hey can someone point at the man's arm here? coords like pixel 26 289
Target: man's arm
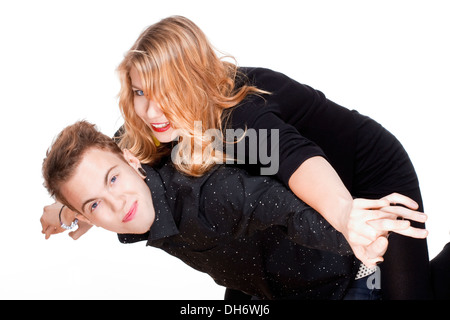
pixel 307 227
pixel 303 225
pixel 238 203
pixel 51 224
pixel 245 204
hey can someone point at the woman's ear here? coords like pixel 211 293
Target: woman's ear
pixel 134 163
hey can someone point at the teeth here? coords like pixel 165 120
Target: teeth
pixel 162 125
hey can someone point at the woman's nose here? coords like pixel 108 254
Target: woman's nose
pixel 153 110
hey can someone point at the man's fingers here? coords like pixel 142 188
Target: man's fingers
pixel 48 232
pixel 82 229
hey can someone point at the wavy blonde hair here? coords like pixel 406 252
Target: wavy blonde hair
pixel 180 70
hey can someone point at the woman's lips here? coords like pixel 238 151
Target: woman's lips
pixel 160 127
pixel 131 213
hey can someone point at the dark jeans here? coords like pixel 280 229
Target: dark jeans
pixel 363 289
pixel 367 288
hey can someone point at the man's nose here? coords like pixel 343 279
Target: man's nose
pixel 117 203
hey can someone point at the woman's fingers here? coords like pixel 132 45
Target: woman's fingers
pixel 371 219
pixel 372 254
pixel 397 198
pixel 389 224
pixel 377 248
pixel 366 204
pixel 406 213
pixel 362 233
pixel 402 227
pixel 412 232
pixel 372 224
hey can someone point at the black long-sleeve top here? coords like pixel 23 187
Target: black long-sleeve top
pixel 248 233
pixel 310 125
pixel 370 161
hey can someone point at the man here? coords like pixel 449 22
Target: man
pixel 248 233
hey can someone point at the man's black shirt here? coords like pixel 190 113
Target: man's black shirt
pixel 247 232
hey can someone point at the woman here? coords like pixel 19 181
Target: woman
pixel 172 77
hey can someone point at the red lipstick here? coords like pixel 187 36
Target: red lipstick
pixel 131 213
pixel 160 127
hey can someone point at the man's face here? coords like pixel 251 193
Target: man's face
pixel 110 193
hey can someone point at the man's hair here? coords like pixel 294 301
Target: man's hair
pixel 66 153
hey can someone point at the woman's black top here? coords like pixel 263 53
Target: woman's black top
pixel 358 148
pixel 370 161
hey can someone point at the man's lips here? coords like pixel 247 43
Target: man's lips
pixel 131 213
pixel 160 127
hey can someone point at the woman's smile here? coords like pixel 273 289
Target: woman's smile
pixel 161 126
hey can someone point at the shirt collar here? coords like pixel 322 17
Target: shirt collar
pixel 164 224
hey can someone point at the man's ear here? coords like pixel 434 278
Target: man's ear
pixel 131 159
pixel 133 162
pixel 81 217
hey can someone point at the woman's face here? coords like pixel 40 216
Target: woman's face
pixel 150 112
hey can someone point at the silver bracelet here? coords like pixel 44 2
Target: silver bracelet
pixel 72 225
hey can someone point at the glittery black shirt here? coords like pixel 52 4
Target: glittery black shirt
pixel 248 233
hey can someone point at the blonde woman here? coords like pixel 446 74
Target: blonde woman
pixel 174 84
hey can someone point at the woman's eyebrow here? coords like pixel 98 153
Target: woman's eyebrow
pixel 135 87
pixel 105 184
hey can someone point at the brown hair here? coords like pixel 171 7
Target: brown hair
pixel 66 153
pixel 181 71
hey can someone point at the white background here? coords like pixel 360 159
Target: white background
pixel 387 59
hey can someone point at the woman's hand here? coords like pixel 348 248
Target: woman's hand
pixel 51 224
pixel 370 222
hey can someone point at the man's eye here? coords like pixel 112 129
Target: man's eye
pixel 94 205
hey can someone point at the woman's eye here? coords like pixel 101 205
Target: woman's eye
pixel 113 179
pixel 139 92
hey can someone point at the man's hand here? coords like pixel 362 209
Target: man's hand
pixel 50 220
pixel 51 224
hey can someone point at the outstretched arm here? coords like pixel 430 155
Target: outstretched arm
pixel 51 224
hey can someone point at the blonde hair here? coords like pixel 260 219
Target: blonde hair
pixel 180 70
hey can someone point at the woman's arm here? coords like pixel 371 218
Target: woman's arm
pixel 316 183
